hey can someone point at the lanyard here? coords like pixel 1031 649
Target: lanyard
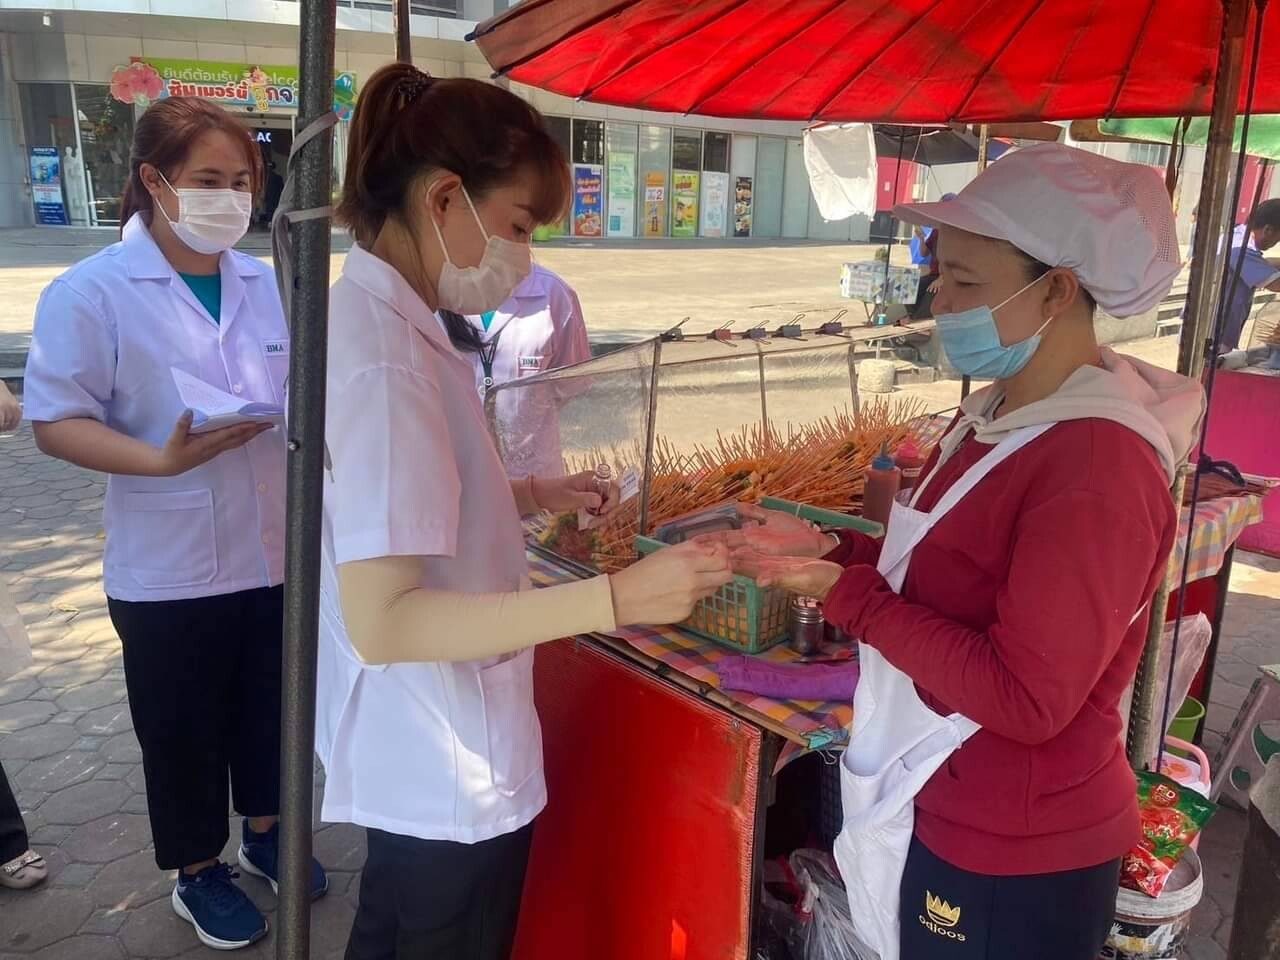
pixel 488 352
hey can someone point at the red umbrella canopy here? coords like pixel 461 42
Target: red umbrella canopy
pixel 899 61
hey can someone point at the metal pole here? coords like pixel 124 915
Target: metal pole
pixel 1144 731
pixel 984 138
pixel 1203 285
pixel 309 333
pixel 400 19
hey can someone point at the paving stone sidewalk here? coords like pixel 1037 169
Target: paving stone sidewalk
pixel 67 744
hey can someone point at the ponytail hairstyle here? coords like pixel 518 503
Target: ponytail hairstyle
pixel 163 137
pixel 408 124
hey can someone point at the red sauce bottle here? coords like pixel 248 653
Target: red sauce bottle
pixel 882 483
pixel 910 460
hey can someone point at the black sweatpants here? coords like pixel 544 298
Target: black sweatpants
pixel 204 690
pixel 436 900
pixel 951 914
pixel 13 832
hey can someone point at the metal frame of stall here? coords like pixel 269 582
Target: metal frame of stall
pixel 308 318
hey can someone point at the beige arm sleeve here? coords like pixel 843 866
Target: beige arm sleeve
pixel 522 490
pixel 391 618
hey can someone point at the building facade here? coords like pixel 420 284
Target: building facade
pixel 75 74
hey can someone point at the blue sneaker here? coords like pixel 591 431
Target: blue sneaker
pixel 260 856
pixel 224 918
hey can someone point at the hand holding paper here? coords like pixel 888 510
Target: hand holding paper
pixel 213 409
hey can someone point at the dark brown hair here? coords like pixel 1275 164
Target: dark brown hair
pixel 408 123
pixel 163 138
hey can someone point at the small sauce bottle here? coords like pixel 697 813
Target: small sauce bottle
pixel 910 460
pixel 882 483
pixel 602 481
pixel 805 625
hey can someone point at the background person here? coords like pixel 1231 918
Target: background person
pixel 1248 244
pixel 425 718
pixel 540 328
pixel 195 523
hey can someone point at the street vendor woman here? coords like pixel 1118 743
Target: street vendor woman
pixel 987 796
pixel 425 719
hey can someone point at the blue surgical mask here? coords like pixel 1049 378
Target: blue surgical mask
pixel 973 345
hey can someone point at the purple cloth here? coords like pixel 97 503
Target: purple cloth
pixel 789 681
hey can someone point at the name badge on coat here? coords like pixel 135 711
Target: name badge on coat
pixel 528 365
pixel 276 355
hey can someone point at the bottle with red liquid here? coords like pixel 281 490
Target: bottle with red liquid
pixel 882 483
pixel 909 458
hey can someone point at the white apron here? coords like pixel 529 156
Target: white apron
pixel 897 742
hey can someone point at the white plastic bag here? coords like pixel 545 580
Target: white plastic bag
pixel 15 648
pixel 1193 642
pixel 828 932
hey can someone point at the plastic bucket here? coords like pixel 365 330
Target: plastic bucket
pixel 1156 928
pixel 1186 721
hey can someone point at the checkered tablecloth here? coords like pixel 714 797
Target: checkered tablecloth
pixel 809 723
pixel 1218 525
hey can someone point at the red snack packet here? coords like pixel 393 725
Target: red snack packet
pixel 1172 816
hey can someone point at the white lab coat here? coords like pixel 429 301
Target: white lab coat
pixel 539 328
pixel 438 751
pixel 106 334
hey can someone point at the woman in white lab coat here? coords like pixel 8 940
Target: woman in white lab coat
pixel 194 523
pixel 539 328
pixel 425 719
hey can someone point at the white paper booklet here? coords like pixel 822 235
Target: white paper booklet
pixel 213 409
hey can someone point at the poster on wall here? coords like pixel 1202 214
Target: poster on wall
pixel 742 207
pixel 715 201
pixel 684 204
pixel 46 186
pixel 622 194
pixel 142 81
pixel 655 203
pixel 587 183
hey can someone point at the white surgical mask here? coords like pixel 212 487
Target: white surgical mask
pixel 472 291
pixel 210 220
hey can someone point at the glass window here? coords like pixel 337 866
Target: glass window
pixel 561 132
pixel 106 133
pixel 654 179
pixel 48 126
pixel 1152 154
pixel 687 154
pixel 771 156
pixel 621 142
pixel 715 157
pixel 588 141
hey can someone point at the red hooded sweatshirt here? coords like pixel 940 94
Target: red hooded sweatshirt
pixel 1018 611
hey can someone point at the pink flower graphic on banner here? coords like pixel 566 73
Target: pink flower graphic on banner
pixel 137 83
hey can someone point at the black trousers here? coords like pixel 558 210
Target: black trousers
pixel 436 900
pixel 204 690
pixel 951 914
pixel 13 832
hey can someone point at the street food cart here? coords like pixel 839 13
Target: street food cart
pixel 847 60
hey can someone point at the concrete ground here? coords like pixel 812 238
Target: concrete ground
pixel 628 289
pixel 66 737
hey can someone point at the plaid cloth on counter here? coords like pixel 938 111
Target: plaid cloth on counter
pixel 1219 524
pixel 811 725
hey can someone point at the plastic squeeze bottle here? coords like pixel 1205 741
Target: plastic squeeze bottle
pixel 910 460
pixel 882 483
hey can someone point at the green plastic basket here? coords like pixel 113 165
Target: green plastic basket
pixel 743 615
